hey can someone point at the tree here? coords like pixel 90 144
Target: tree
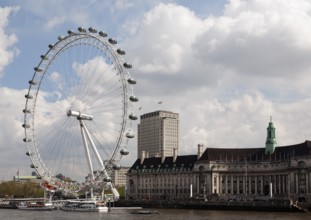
pixel 63 178
pixel 20 189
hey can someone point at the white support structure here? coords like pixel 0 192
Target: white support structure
pixel 99 160
pixel 88 139
pixel 87 151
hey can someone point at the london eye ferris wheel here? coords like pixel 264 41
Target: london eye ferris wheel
pixel 79 111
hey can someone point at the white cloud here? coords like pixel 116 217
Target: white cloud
pixel 164 39
pixel 120 5
pixel 55 21
pixel 240 122
pixel 13 149
pixel 225 75
pixel 7 51
pixel 230 74
pixel 268 38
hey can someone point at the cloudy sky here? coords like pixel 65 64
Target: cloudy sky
pixel 224 66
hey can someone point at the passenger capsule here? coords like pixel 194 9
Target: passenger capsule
pixel 81 29
pixel 51 46
pixel 43 57
pixel 124 152
pixel 133 98
pixel 60 38
pixel 116 167
pixel 33 166
pixel 27 96
pixel 131 81
pixel 120 51
pixel 132 116
pixel 92 30
pixel 130 134
pixel 32 82
pixel 26 125
pixel 112 41
pixel 37 69
pixel 107 179
pixel 70 32
pixel 26 111
pixel 26 139
pixel 127 65
pixel 29 153
pixel 102 34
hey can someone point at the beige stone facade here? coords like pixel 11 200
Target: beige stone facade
pixel 225 174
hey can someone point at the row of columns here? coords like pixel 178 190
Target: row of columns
pixel 283 184
pixel 249 184
pixel 302 183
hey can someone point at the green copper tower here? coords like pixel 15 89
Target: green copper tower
pixel 271 140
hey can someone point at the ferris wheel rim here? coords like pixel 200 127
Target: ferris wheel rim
pixel 63 43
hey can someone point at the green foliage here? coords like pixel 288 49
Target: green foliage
pixel 63 178
pixel 20 189
pixel 121 190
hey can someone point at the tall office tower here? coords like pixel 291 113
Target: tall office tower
pixel 158 134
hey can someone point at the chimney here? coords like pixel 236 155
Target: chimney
pixel 174 154
pixel 200 150
pixel 162 156
pixel 142 157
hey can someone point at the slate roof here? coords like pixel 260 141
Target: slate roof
pixel 186 162
pixel 182 163
pixel 256 154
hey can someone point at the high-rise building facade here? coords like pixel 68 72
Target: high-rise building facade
pixel 158 134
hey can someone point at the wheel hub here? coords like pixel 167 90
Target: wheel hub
pixel 79 115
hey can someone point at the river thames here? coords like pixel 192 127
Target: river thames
pixel 164 214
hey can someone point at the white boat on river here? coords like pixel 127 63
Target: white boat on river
pixel 36 206
pixel 84 206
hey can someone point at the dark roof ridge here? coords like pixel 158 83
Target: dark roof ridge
pixel 307 142
pixel 300 149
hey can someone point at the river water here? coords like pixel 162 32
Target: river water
pixel 164 214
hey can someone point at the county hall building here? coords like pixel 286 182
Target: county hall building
pixel 225 174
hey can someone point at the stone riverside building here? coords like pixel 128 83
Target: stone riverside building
pixel 226 174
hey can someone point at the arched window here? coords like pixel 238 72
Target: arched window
pixel 301 164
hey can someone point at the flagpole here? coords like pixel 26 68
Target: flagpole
pixel 160 103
